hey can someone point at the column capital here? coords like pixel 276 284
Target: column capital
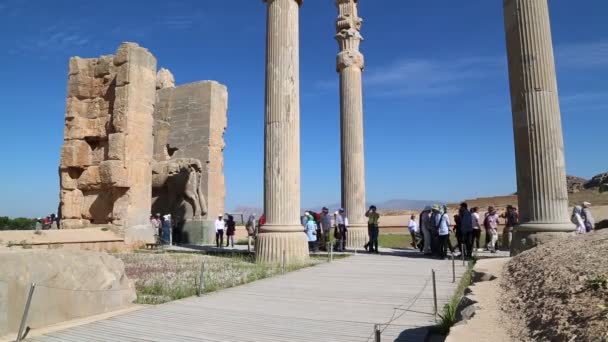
pixel 350 58
pixel 298 1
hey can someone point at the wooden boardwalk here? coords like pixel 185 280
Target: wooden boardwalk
pixel 338 301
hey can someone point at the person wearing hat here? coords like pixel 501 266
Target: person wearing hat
pixel 311 232
pixel 588 217
pixel 341 229
pixel 220 225
pixel 325 228
pixel 372 229
pixel 426 227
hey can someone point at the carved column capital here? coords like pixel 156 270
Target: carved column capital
pixel 298 1
pixel 349 58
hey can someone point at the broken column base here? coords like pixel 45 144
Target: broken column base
pixel 530 235
pixel 197 232
pixel 357 237
pixel 274 243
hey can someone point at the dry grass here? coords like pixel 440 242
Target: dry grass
pixel 164 277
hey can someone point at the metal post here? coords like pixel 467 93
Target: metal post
pixel 331 253
pixel 453 269
pixel 377 333
pixel 462 254
pixel 434 295
pixel 25 312
pixel 201 279
pixel 171 236
pixel 283 263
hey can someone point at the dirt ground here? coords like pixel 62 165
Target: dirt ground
pixel 488 324
pixel 559 291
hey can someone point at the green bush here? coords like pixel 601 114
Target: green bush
pixel 19 223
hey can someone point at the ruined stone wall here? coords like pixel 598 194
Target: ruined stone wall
pixel 190 121
pixel 105 169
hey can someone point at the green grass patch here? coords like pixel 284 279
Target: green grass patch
pixel 448 315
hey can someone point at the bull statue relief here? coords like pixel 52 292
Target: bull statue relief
pixel 177 188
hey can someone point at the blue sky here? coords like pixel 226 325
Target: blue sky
pixel 437 109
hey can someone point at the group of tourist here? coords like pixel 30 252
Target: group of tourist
pixel 51 221
pixel 582 218
pixel 163 227
pixel 431 234
pixel 225 225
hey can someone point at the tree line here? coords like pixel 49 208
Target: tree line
pixel 19 223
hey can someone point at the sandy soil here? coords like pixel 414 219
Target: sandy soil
pixel 488 324
pixel 559 290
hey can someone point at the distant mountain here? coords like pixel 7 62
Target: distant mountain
pixel 394 204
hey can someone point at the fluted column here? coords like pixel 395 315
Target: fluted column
pixel 282 232
pixel 539 145
pixel 350 64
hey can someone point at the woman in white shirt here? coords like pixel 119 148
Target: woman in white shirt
pixel 476 226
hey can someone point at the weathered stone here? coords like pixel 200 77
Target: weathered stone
pixel 71 204
pixel 164 79
pixel 539 146
pixel 116 146
pixel 350 64
pixel 75 153
pixel 114 173
pixel 90 179
pixel 108 137
pixel 282 233
pixel 76 284
pixel 190 121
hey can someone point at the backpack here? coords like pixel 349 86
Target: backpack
pixel 573 219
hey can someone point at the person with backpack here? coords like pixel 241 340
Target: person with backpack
pixel 491 225
pixel 577 219
pixel 373 229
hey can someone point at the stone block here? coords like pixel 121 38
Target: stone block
pixel 103 66
pixel 97 207
pixel 74 223
pixel 71 204
pixel 80 127
pixel 82 66
pixel 68 178
pixel 114 173
pixel 116 146
pixel 97 284
pixel 164 79
pixel 90 179
pixel 75 153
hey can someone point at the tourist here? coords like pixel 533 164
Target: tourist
pixel 458 232
pixel 251 229
pixel 166 224
pixel 466 230
pixel 220 225
pixel 156 225
pixel 588 217
pixel 426 228
pixel 476 227
pixel 412 226
pixel 491 224
pixel 341 230
pixel 325 228
pixel 577 219
pixel 311 232
pixel 230 230
pixel 511 220
pixel 373 229
pixel 442 222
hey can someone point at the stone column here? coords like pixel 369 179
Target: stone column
pixel 282 233
pixel 350 65
pixel 539 145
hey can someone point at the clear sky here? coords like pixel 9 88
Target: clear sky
pixel 437 108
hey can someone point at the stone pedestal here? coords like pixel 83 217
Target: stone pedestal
pixel 198 232
pixel 282 234
pixel 539 145
pixel 350 64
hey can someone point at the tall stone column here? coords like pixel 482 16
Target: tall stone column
pixel 350 64
pixel 282 234
pixel 539 145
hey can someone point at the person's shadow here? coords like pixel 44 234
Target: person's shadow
pixel 415 335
